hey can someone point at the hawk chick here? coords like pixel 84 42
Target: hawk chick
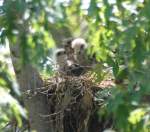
pixel 61 59
pixel 79 46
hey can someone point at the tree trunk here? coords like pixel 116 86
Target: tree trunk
pixel 29 80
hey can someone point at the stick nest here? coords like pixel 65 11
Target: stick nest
pixel 71 101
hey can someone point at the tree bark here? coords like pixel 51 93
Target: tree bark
pixel 29 80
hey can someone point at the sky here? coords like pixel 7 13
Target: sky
pixel 1 2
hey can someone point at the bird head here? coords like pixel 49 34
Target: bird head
pixel 61 56
pixel 79 45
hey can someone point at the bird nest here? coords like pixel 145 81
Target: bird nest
pixel 71 102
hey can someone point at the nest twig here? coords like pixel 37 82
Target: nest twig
pixel 71 101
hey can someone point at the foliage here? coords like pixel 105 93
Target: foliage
pixel 10 111
pixel 116 30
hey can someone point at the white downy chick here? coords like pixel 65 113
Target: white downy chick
pixel 61 60
pixel 79 46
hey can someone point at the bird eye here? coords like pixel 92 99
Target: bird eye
pixel 59 53
pixel 82 47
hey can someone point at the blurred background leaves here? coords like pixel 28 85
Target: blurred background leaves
pixel 118 31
